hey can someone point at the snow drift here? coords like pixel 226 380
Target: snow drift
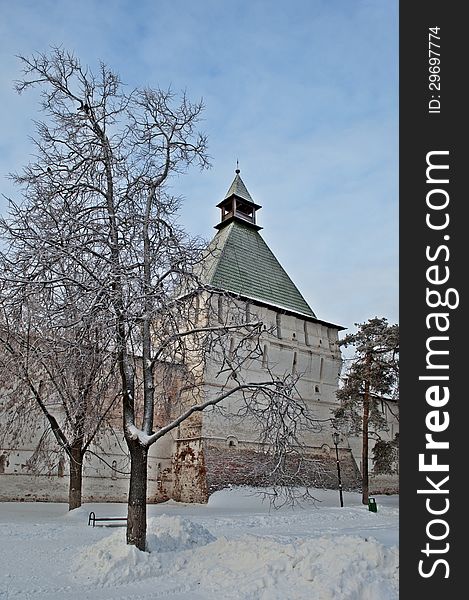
pixel 346 567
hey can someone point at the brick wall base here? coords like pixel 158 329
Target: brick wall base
pixel 248 466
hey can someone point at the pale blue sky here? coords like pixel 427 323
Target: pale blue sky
pixel 304 93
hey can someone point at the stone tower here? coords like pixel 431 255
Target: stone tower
pixel 240 264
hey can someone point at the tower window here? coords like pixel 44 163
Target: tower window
pixel 294 364
pixel 244 211
pixel 265 357
pixel 279 325
pixel 197 308
pixel 61 467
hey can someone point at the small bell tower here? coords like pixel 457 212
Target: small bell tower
pixel 238 205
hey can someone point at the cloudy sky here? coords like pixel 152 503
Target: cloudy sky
pixel 303 93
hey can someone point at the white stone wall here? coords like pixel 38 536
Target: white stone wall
pixel 101 481
pixel 377 482
pixel 291 345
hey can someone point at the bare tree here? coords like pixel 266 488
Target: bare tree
pixel 108 155
pixel 56 360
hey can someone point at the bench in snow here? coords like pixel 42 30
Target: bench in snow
pixel 93 519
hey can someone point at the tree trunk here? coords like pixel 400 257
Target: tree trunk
pixel 366 414
pixel 137 504
pixel 76 476
pixel 365 486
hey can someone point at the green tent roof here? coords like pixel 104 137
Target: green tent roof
pixel 240 261
pixel 239 189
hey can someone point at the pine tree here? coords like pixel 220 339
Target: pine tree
pixel 370 379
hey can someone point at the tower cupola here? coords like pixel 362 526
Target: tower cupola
pixel 238 205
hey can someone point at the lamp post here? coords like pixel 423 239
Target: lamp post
pixel 336 438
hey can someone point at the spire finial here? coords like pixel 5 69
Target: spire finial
pixel 237 171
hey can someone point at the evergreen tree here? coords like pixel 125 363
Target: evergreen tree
pixel 370 379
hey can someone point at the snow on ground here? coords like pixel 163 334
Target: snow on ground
pixel 236 547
